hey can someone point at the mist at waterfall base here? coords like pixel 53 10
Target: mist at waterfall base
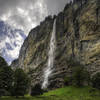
pixel 51 56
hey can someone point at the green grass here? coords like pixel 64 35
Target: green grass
pixel 67 93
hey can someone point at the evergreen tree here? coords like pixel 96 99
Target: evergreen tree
pixel 21 83
pixel 6 78
pixel 80 76
pixel 3 63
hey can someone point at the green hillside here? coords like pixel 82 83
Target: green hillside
pixel 67 93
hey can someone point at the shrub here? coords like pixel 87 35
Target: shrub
pixel 4 92
pixel 80 76
pixel 68 80
pixel 36 90
pixel 96 81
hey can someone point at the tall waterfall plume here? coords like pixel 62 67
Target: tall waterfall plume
pixel 51 56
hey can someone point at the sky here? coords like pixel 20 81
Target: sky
pixel 26 14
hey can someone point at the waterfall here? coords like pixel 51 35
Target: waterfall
pixel 51 56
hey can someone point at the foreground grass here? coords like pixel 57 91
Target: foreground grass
pixel 67 93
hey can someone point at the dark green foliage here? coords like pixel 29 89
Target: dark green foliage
pixel 48 18
pixel 96 81
pixel 67 6
pixel 68 80
pixel 6 78
pixel 36 90
pixel 21 83
pixel 2 62
pixel 4 92
pixel 73 63
pixel 11 83
pixel 80 76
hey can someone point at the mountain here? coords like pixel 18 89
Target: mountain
pixel 77 40
pixel 11 40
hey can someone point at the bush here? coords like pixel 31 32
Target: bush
pixel 68 80
pixel 96 81
pixel 80 76
pixel 4 92
pixel 36 90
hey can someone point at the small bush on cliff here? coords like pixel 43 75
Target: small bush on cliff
pixel 73 62
pixel 96 81
pixel 80 76
pixel 68 80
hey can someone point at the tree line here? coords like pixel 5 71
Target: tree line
pixel 80 76
pixel 12 83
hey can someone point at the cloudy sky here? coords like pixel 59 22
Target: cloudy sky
pixel 26 14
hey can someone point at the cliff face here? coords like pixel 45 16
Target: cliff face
pixel 77 37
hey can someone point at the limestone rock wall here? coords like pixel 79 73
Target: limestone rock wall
pixel 77 36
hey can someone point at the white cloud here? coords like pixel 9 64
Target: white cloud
pixel 11 41
pixel 25 15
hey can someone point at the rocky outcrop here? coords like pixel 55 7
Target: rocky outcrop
pixel 77 36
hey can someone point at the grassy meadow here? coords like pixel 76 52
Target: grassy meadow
pixel 66 93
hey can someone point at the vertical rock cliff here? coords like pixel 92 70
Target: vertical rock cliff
pixel 77 37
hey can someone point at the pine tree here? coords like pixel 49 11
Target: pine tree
pixel 6 80
pixel 3 63
pixel 21 83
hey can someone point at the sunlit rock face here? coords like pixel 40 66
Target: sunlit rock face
pixel 11 40
pixel 77 37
